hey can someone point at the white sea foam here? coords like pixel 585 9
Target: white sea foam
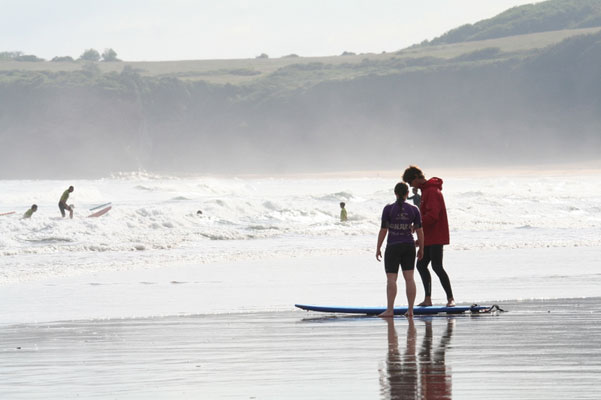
pixel 154 219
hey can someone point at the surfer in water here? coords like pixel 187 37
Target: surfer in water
pixel 30 212
pixel 399 220
pixel 343 216
pixel 62 203
pixel 436 232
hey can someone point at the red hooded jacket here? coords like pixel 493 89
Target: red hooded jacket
pixel 434 213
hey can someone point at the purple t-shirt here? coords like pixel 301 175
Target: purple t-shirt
pixel 398 218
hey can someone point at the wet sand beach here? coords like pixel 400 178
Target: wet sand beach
pixel 230 331
pixel 538 350
pixel 355 279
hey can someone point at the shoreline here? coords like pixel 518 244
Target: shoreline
pixel 538 346
pixel 276 284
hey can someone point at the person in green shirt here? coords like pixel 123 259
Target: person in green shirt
pixel 343 216
pixel 62 203
pixel 30 212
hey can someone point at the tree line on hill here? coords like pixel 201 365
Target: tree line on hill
pixel 108 55
pixel 550 15
pixel 482 108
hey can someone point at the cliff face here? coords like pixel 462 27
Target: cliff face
pixel 482 108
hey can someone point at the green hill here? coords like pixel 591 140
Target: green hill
pixel 552 15
pixel 517 31
pixel 288 72
pixel 526 98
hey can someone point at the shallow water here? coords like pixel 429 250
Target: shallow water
pixel 154 301
pixel 353 279
pixel 230 331
pixel 537 350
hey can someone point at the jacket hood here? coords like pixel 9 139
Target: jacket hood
pixel 433 183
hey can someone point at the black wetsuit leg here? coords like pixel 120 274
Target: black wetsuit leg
pixel 435 252
pixel 424 273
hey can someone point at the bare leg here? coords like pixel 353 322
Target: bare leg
pixel 410 290
pixel 68 208
pixel 391 290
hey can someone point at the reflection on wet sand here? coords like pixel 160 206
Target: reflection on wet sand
pixel 413 375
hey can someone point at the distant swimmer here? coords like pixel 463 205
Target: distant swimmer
pixel 198 212
pixel 436 231
pixel 399 219
pixel 343 216
pixel 30 212
pixel 416 198
pixel 62 203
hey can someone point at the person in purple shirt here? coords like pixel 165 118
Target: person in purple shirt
pixel 399 220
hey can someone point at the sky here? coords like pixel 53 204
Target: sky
pixel 161 30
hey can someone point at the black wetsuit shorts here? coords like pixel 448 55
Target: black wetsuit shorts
pixel 402 254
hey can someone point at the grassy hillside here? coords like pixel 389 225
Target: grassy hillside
pixel 533 97
pixel 525 43
pixel 246 71
pixel 552 15
pixel 516 32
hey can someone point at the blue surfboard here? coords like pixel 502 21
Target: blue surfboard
pixel 474 308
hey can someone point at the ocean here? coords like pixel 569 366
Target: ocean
pixel 123 299
pixel 154 219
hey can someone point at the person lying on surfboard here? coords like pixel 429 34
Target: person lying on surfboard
pixel 62 203
pixel 30 212
pixel 398 221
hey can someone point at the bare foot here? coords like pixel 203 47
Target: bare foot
pixel 451 303
pixel 409 314
pixel 425 303
pixel 387 314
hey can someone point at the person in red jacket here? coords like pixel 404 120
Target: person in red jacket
pixel 436 231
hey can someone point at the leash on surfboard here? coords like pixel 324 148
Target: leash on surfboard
pixel 490 309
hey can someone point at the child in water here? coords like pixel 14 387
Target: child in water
pixel 30 212
pixel 343 216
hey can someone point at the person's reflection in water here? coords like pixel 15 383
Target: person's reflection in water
pixel 435 376
pixel 408 376
pixel 400 381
